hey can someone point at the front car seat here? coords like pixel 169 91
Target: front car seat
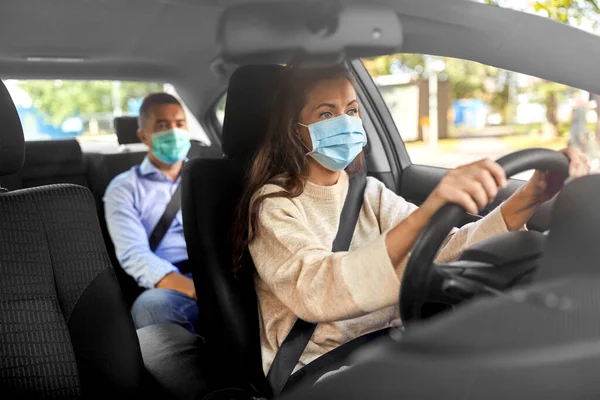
pixel 65 331
pixel 210 193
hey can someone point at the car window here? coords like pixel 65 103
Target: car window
pixel 194 127
pixel 220 110
pixel 64 109
pixel 479 111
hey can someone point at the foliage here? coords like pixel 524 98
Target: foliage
pixel 569 11
pixel 467 79
pixel 58 100
pixel 470 79
pixel 573 12
pixel 386 64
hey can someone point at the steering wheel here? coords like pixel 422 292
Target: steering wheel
pixel 421 274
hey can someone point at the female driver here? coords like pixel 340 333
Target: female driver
pixel 291 209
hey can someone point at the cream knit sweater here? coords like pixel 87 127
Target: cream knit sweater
pixel 348 293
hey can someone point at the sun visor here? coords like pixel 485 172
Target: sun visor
pixel 311 31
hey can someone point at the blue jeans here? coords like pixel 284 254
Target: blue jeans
pixel 163 306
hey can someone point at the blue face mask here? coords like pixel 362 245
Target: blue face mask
pixel 171 146
pixel 337 141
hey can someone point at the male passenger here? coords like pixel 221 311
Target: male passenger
pixel 136 202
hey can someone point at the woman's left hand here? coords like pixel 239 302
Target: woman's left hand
pixel 545 185
pixel 542 186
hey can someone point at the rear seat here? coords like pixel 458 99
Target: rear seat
pixel 62 161
pixel 126 129
pixel 50 162
pixel 104 167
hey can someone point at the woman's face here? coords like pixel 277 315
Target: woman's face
pixel 327 99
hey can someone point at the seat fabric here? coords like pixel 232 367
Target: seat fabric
pixel 65 331
pixel 65 328
pixel 126 129
pixel 211 191
pixel 49 162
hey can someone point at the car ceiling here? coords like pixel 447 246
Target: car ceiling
pixel 175 40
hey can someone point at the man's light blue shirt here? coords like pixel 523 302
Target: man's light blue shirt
pixel 133 203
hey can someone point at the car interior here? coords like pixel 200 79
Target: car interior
pixel 62 161
pixel 66 330
pixel 536 342
pixel 65 327
pixel 231 323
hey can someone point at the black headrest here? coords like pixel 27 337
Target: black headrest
pixel 12 141
pixel 126 129
pixel 249 99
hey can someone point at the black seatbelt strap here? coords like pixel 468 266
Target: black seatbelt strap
pixel 160 230
pixel 295 342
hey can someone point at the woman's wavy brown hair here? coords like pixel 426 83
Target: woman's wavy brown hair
pixel 282 159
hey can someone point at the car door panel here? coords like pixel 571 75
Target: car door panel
pixel 418 181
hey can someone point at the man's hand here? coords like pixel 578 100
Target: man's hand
pixel 178 282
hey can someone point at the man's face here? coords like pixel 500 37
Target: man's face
pixel 161 118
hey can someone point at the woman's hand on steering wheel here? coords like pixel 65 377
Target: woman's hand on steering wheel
pixel 542 186
pixel 545 185
pixel 421 271
pixel 472 186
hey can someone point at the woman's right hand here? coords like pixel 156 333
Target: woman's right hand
pixel 472 186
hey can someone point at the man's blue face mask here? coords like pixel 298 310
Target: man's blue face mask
pixel 171 146
pixel 337 141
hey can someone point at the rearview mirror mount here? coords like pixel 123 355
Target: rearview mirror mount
pixel 314 32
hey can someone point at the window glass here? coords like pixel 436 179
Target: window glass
pixel 194 127
pixel 451 112
pixel 582 14
pixel 220 110
pixel 65 109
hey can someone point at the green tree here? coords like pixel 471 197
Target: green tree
pixel 467 79
pixel 383 65
pixel 573 12
pixel 470 79
pixel 138 90
pixel 569 11
pixel 58 100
